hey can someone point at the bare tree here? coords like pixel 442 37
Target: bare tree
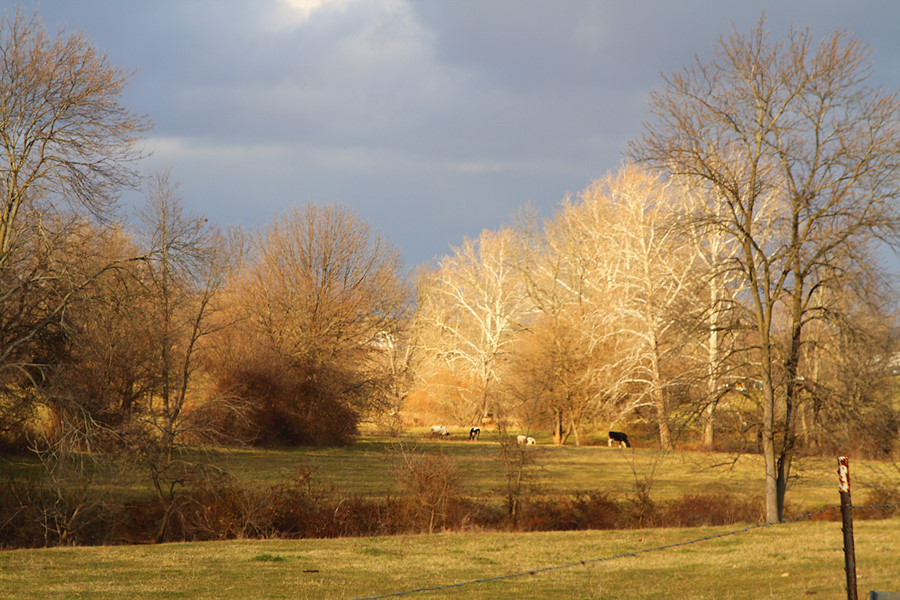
pixel 398 364
pixel 88 386
pixel 615 264
pixel 67 147
pixel 790 125
pixel 565 367
pixel 717 298
pixel 64 134
pixel 473 305
pixel 656 271
pixel 551 379
pixel 187 268
pixel 846 378
pixel 326 296
pixel 129 348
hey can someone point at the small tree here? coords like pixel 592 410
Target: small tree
pixel 518 460
pixel 557 370
pixel 90 390
pixel 432 485
pixel 186 270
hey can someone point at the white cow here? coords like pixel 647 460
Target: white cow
pixel 525 440
pixel 440 430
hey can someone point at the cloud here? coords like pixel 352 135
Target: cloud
pixel 289 15
pixel 174 150
pixel 304 8
pixel 434 119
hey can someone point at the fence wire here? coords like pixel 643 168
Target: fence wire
pixel 585 562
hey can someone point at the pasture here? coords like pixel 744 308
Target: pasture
pixel 369 468
pixel 798 559
pixel 795 560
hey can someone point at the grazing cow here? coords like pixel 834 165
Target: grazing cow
pixel 440 430
pixel 620 438
pixel 525 440
pixel 474 433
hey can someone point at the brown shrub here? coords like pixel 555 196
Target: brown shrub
pixel 431 499
pixel 832 513
pixel 885 503
pixel 563 512
pixel 640 511
pixel 547 513
pixel 295 508
pixel 33 515
pixel 432 494
pixel 697 510
pixel 137 521
pixel 280 406
pixel 598 511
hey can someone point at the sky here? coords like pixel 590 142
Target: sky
pixel 431 119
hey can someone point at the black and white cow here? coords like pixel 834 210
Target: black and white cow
pixel 620 438
pixel 474 433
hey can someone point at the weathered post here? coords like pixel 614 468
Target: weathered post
pixel 847 526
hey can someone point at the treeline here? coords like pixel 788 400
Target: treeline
pixel 182 334
pixel 163 330
pixel 625 307
pixel 720 283
pixel 728 270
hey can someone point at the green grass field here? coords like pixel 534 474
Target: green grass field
pixel 793 560
pixel 796 560
pixel 369 468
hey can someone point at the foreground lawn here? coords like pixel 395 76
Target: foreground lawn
pixel 796 560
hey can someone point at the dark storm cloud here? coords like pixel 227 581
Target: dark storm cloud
pixel 432 119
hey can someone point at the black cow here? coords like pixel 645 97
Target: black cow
pixel 621 438
pixel 474 433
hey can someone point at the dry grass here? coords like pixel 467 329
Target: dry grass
pixel 786 561
pixel 368 468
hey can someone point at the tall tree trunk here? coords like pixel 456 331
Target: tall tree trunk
pixel 773 504
pixel 558 436
pixel 662 419
pixel 773 512
pixel 712 388
pixel 709 425
pixel 659 401
pixel 791 368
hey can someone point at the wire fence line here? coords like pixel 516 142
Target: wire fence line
pixel 585 562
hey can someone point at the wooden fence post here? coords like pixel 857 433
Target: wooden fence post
pixel 847 526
